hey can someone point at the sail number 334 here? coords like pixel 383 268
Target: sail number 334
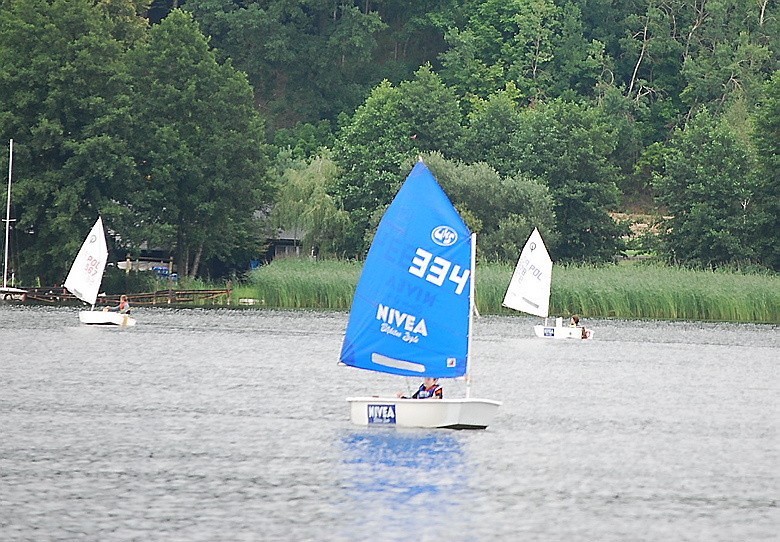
pixel 437 269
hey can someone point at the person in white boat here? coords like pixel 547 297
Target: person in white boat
pixel 575 322
pixel 122 308
pixel 429 389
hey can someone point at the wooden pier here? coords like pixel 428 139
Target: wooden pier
pixel 149 299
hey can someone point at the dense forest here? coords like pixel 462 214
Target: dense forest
pixel 207 126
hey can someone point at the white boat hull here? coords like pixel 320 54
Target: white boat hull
pixel 432 413
pixel 12 294
pixel 562 332
pixel 101 318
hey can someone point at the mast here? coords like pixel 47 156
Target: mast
pixel 8 211
pixel 472 307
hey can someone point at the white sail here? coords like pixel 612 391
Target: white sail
pixel 86 274
pixel 529 289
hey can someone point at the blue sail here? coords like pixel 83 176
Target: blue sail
pixel 411 311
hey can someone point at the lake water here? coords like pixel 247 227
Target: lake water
pixel 232 425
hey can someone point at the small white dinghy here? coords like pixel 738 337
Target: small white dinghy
pixel 559 331
pixel 86 275
pixel 529 290
pixel 412 310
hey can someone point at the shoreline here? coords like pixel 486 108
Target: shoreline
pixel 634 292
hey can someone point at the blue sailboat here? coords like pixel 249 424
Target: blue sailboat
pixel 412 310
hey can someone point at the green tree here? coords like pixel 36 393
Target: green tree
pixel 369 151
pixel 569 145
pixel 199 146
pixel 501 41
pixel 766 138
pixel 709 189
pixel 64 100
pixel 676 56
pixel 393 125
pixel 651 56
pixel 577 65
pixel 732 70
pixel 306 60
pixel 489 135
pixel 726 53
pixel 414 34
pixel 305 140
pixel 503 211
pixel 626 120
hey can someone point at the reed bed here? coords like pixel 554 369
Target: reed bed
pixel 647 291
pixel 293 283
pixel 616 291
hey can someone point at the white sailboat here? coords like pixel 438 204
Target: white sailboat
pixel 529 290
pixel 86 275
pixel 8 293
pixel 412 310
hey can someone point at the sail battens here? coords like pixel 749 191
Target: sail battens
pixel 393 363
pixel 535 305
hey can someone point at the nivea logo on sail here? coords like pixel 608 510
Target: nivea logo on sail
pixel 406 327
pixel 444 236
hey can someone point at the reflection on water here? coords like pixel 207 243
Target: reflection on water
pixel 404 464
pixel 410 480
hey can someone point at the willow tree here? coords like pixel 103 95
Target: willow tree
pixel 304 207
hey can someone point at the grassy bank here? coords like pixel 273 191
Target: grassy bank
pixel 621 291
